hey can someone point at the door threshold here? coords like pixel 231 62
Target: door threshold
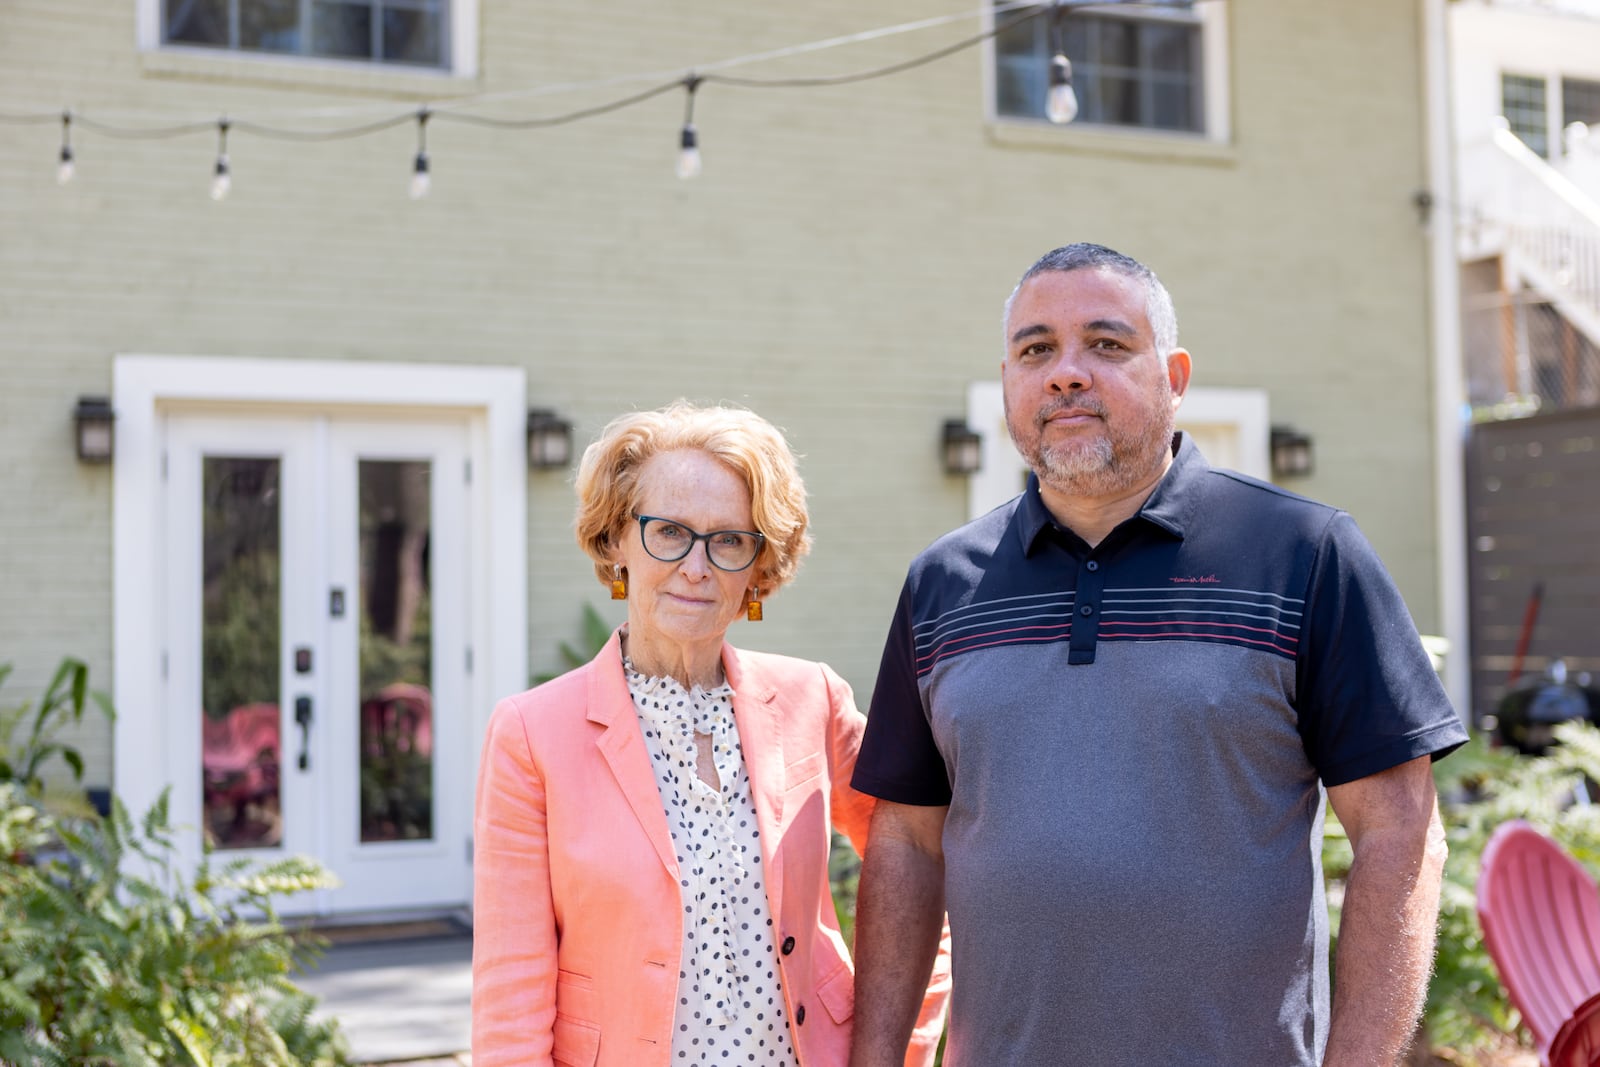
pixel 370 927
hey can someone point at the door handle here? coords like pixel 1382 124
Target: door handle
pixel 302 718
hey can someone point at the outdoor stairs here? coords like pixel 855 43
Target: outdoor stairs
pixel 1544 227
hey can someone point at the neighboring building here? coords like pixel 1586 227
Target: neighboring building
pixel 1526 118
pixel 319 553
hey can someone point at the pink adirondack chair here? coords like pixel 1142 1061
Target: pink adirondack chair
pixel 1540 913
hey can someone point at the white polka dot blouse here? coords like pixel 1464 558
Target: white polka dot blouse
pixel 730 996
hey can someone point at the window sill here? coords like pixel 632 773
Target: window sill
pixel 1109 141
pixel 306 73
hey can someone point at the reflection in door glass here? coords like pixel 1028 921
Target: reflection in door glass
pixel 396 652
pixel 241 746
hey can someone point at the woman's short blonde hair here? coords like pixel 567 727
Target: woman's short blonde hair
pixel 609 490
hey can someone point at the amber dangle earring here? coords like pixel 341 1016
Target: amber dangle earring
pixel 619 583
pixel 752 610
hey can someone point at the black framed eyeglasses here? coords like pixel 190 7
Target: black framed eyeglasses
pixel 669 541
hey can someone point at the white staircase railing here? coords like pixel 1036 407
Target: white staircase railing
pixel 1516 205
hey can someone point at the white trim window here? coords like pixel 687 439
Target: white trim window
pixel 1525 107
pixel 1148 67
pixel 429 35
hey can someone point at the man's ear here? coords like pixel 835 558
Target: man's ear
pixel 1179 367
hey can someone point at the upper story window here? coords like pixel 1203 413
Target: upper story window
pixel 1522 102
pixel 412 33
pixel 1580 102
pixel 1153 66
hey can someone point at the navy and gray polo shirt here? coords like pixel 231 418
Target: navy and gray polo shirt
pixel 1130 740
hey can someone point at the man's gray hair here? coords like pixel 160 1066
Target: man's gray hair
pixel 1084 256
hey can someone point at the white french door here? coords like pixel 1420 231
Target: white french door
pixel 316 625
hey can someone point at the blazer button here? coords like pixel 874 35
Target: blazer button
pixel 800 1015
pixel 788 945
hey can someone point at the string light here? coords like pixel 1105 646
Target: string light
pixel 689 141
pixel 420 180
pixel 1061 99
pixel 1060 102
pixel 65 168
pixel 222 177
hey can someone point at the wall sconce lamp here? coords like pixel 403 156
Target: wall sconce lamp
pixel 93 420
pixel 549 439
pixel 1291 453
pixel 963 448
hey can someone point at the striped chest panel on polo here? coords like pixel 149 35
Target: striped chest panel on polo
pixel 1193 608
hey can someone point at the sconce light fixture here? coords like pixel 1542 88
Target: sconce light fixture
pixel 549 439
pixel 93 420
pixel 1291 453
pixel 963 448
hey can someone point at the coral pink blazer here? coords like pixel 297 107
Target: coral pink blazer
pixel 577 915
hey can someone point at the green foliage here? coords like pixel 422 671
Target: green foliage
pixel 104 967
pixel 844 876
pixel 1481 788
pixel 29 731
pixel 100 967
pixel 596 631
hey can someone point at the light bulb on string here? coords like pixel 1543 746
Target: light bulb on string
pixel 421 181
pixel 1061 103
pixel 66 167
pixel 222 176
pixel 689 140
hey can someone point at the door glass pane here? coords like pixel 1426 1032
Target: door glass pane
pixel 241 743
pixel 396 651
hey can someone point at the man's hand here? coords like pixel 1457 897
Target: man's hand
pixel 1391 910
pixel 899 917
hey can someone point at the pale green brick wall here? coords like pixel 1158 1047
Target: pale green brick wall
pixel 839 267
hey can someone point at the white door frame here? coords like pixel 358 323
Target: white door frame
pixel 145 388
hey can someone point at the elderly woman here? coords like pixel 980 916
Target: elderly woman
pixel 652 828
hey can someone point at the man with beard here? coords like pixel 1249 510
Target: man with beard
pixel 1103 727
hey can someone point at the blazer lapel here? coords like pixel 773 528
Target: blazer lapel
pixel 622 746
pixel 760 722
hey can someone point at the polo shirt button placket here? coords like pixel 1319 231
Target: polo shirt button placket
pixel 1086 631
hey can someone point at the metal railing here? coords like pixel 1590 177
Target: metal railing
pixel 1516 205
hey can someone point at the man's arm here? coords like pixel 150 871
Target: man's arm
pixel 899 917
pixel 1391 909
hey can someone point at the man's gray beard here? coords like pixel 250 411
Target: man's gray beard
pixel 1101 468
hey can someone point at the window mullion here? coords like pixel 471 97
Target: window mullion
pixel 304 36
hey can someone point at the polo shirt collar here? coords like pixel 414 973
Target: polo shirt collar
pixel 1169 507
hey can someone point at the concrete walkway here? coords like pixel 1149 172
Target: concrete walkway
pixel 399 1000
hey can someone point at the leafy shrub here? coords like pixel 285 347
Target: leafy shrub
pixel 595 631
pixel 40 722
pixel 111 955
pixel 1480 788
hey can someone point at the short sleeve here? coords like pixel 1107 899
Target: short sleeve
pixel 1366 693
pixel 899 760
